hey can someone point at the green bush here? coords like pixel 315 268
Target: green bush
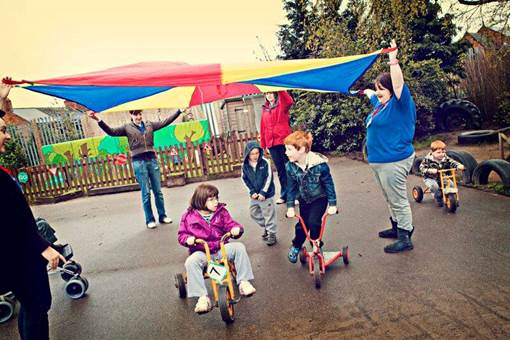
pixel 502 116
pixel 14 157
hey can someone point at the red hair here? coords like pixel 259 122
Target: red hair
pixel 300 139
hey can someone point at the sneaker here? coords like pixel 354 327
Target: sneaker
pixel 246 289
pixel 264 235
pixel 151 225
pixel 293 254
pixel 165 220
pixel 271 239
pixel 280 201
pixel 203 305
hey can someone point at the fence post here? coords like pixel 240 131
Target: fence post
pixel 38 142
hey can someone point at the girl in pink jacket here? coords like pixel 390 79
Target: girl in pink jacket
pixel 209 220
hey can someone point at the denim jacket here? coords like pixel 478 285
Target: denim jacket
pixel 313 182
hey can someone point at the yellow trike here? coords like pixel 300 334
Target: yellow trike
pixel 222 273
pixel 448 187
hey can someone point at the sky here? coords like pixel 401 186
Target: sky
pixel 44 39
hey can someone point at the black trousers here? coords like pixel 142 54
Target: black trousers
pixel 33 323
pixel 280 159
pixel 312 216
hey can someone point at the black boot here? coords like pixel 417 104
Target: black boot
pixel 403 243
pixel 390 233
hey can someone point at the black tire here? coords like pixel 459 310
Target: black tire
pixel 7 307
pixel 73 267
pixel 501 167
pixel 302 257
pixel 226 307
pixel 317 272
pixel 478 136
pixel 345 255
pixel 415 169
pixel 75 288
pixel 451 203
pixel 467 160
pixel 418 194
pixel 180 284
pixel 458 114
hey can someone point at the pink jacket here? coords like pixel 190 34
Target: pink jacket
pixel 193 224
pixel 274 124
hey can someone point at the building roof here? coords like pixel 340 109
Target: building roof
pixel 29 114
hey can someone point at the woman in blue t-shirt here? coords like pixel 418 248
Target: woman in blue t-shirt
pixel 390 132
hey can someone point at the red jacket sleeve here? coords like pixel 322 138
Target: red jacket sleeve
pixel 262 132
pixel 285 100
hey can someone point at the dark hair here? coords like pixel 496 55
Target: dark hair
pixel 132 112
pixel 384 79
pixel 2 113
pixel 201 194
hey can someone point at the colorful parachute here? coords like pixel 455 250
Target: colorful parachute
pixel 168 84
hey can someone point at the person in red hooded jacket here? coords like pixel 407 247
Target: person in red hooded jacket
pixel 274 127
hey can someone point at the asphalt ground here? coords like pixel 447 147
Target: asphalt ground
pixel 454 284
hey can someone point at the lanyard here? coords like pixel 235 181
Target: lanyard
pixel 376 111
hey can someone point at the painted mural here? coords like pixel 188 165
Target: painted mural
pixel 172 135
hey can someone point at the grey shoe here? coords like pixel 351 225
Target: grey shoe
pixel 264 235
pixel 271 239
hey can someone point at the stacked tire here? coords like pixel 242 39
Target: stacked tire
pixel 456 114
pixel 499 166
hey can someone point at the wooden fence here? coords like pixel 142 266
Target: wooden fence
pixel 191 162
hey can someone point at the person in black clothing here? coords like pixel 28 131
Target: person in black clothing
pixel 24 254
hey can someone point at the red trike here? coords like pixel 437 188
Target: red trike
pixel 319 260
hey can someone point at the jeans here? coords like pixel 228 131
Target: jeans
pixel 149 177
pixel 392 179
pixel 33 323
pixel 280 159
pixel 312 216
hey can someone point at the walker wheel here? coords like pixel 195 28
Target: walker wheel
pixel 418 194
pixel 225 304
pixel 345 255
pixel 317 272
pixel 76 287
pixel 302 256
pixel 7 306
pixel 451 203
pixel 180 284
pixel 72 266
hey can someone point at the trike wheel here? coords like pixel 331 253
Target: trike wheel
pixel 225 304
pixel 451 203
pixel 7 306
pixel 317 272
pixel 180 284
pixel 418 194
pixel 345 255
pixel 76 288
pixel 302 256
pixel 73 267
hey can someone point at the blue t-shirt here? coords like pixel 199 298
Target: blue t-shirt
pixel 390 133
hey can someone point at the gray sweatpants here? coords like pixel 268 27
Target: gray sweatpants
pixel 392 179
pixel 196 262
pixel 264 214
pixel 434 187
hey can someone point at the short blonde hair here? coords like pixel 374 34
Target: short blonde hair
pixel 437 144
pixel 300 139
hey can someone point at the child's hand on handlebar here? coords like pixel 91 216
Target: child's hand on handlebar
pixel 53 257
pixel 190 241
pixel 460 167
pixel 432 171
pixel 332 210
pixel 235 231
pixel 291 212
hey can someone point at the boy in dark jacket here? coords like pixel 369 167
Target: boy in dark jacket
pixel 309 181
pixel 258 178
pixel 436 160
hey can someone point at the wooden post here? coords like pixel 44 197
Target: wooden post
pixel 38 142
pixel 501 150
